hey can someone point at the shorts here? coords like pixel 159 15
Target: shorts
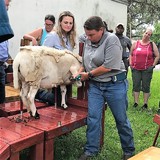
pixel 142 79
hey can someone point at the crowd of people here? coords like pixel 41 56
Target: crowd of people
pixel 106 58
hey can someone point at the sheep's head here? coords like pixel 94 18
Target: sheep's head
pixel 76 81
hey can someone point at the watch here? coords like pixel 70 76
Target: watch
pixel 90 75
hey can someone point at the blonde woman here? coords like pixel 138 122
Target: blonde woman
pixel 64 37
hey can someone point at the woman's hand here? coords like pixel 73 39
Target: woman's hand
pixel 84 76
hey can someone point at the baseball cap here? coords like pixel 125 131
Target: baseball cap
pixel 120 24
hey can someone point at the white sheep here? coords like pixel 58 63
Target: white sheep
pixel 37 67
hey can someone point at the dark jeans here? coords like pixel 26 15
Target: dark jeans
pixel 2 84
pixel 49 96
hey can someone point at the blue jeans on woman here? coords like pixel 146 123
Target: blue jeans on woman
pixel 115 94
pixel 2 84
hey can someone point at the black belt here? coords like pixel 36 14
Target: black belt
pixel 1 63
pixel 119 77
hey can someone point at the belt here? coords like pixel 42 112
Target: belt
pixel 119 77
pixel 1 63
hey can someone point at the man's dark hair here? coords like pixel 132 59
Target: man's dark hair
pixel 94 22
pixel 50 17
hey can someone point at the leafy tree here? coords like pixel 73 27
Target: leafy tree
pixel 141 13
pixel 156 33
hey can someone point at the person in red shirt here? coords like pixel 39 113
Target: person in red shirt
pixel 142 62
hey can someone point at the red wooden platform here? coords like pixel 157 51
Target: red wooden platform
pixel 12 108
pixel 4 150
pixel 19 136
pixel 56 121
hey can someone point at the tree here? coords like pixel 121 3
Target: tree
pixel 140 14
pixel 156 33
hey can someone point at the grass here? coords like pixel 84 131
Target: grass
pixel 71 147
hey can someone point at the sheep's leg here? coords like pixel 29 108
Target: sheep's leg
pixel 24 94
pixel 63 93
pixel 31 96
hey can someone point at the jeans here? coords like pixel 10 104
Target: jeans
pixel 46 96
pixel 2 84
pixel 115 94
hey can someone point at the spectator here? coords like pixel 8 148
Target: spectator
pixel 103 68
pixel 126 44
pixel 38 36
pixel 142 63
pixel 4 57
pixel 5 28
pixel 64 37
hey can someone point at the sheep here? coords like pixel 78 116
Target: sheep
pixel 37 67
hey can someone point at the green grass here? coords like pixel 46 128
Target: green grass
pixel 71 147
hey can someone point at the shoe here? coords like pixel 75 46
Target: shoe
pixel 135 105
pixel 85 157
pixel 145 106
pixel 126 157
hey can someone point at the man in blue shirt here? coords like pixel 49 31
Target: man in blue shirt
pixel 5 33
pixel 3 59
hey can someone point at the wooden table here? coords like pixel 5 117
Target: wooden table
pixel 152 153
pixel 11 94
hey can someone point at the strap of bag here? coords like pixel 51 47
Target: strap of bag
pixel 152 48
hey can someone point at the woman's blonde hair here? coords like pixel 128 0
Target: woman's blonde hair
pixel 71 34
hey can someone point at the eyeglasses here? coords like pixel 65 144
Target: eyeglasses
pixel 49 25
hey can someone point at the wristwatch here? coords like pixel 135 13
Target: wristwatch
pixel 90 75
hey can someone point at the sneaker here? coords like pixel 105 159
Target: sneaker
pixel 135 105
pixel 145 106
pixel 126 157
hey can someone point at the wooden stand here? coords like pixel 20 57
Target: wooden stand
pixel 40 133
